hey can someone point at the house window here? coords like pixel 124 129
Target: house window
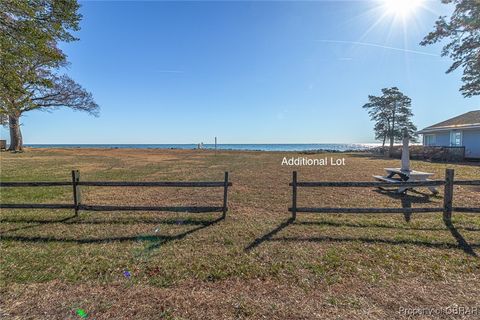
pixel 456 138
pixel 430 140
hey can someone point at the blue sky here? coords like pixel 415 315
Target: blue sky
pixel 247 72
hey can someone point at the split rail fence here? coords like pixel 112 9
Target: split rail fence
pixel 447 207
pixel 77 204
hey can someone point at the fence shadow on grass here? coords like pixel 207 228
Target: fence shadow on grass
pixel 375 225
pixel 186 233
pixel 124 221
pixel 463 245
pixel 34 223
pixel 157 240
pixel 268 236
pixel 79 220
pixel 461 242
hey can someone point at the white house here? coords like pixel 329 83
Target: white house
pixel 460 131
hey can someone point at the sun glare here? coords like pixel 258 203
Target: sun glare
pixel 402 8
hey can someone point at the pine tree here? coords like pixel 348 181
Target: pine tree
pixel 463 31
pixel 391 112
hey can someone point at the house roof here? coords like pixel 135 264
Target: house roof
pixel 467 120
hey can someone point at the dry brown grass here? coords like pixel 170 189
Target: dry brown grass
pixel 253 265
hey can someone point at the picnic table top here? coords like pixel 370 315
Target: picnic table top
pixel 408 173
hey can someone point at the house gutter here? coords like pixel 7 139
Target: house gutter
pixel 460 127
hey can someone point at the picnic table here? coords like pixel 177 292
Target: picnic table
pixel 397 175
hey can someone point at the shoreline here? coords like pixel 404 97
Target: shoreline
pixel 205 150
pixel 299 148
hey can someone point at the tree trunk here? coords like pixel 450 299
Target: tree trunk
pixel 16 141
pixel 390 150
pixel 392 132
pixel 383 144
pixel 386 152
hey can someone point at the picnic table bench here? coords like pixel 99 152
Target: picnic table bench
pixel 396 175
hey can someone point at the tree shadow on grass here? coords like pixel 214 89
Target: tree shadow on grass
pixel 461 242
pixel 157 240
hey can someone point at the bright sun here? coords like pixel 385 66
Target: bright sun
pixel 401 8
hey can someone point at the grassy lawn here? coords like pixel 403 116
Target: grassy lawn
pixel 256 264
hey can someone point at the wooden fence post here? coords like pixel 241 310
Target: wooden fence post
pixel 225 195
pixel 77 199
pixel 448 195
pixel 294 195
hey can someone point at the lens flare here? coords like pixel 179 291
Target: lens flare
pixel 402 8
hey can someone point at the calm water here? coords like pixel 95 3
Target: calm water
pixel 251 147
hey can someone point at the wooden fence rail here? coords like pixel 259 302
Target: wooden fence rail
pixel 447 207
pixel 77 205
